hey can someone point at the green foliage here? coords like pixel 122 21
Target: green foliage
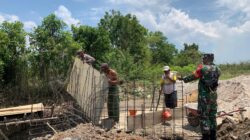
pixel 94 41
pixel 52 49
pixel 233 70
pixel 123 63
pixel 189 55
pixel 186 70
pixel 12 48
pixel 119 40
pixel 4 57
pixel 1 72
pixel 162 51
pixel 126 34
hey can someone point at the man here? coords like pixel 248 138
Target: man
pixel 208 74
pixel 85 57
pixel 168 87
pixel 113 95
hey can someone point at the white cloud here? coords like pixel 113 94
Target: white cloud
pixel 137 2
pixel 63 13
pixel 154 5
pixel 29 25
pixel 7 17
pixel 27 41
pixel 237 5
pixel 236 10
pixel 1 19
pixel 177 24
pixel 215 36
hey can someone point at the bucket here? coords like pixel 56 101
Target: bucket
pixel 166 115
pixel 132 112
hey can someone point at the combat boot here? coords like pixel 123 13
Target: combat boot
pixel 205 137
pixel 212 134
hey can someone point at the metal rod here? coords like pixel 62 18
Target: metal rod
pixel 53 129
pixel 28 121
pixel 153 98
pixel 4 136
pixel 182 122
pixel 134 106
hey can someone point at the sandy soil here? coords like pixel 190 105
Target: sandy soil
pixel 88 132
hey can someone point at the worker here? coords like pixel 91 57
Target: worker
pixel 85 57
pixel 167 87
pixel 208 74
pixel 113 95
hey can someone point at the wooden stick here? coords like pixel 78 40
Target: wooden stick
pixel 51 128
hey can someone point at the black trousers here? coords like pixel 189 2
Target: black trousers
pixel 171 99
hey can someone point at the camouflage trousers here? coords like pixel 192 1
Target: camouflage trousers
pixel 113 103
pixel 207 109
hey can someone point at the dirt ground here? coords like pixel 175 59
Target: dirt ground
pixel 88 132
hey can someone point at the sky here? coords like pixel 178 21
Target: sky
pixel 221 27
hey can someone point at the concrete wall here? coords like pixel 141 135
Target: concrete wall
pixel 89 87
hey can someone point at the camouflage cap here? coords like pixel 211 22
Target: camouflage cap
pixel 208 56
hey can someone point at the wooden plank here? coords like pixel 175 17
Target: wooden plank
pixel 21 109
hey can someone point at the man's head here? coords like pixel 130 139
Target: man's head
pixel 208 58
pixel 104 67
pixel 166 69
pixel 80 52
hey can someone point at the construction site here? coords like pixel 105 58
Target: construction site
pixel 78 110
pixel 124 70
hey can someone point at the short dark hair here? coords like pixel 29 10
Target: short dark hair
pixel 104 65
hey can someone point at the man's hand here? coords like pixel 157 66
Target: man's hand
pixel 160 91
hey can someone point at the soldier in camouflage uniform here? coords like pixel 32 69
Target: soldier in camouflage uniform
pixel 208 74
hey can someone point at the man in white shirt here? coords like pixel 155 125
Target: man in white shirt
pixel 168 80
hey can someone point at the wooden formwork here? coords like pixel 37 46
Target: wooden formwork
pixel 89 87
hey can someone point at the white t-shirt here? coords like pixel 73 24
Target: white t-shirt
pixel 168 86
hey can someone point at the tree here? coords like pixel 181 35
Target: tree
pixel 162 51
pixel 94 41
pixel 4 56
pixel 126 34
pixel 189 55
pixel 52 49
pixel 12 47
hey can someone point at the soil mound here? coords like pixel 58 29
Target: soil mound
pixel 88 131
pixel 234 93
pixel 229 130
